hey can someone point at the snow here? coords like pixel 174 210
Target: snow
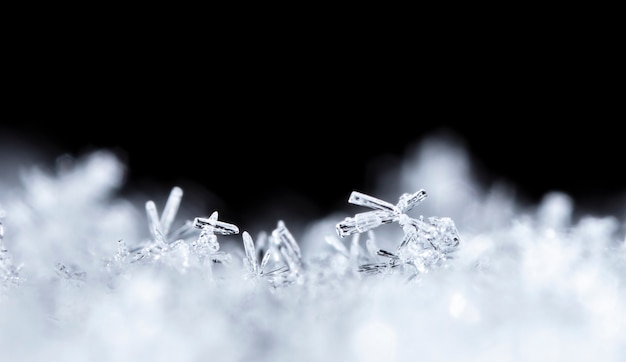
pixel 526 283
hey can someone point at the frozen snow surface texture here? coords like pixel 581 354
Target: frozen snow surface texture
pixel 431 267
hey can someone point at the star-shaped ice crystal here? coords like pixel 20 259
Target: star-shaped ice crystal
pixel 426 242
pixel 384 212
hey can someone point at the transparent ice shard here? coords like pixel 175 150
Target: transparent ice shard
pixel 283 236
pixel 153 220
pixel 214 226
pixel 409 201
pixel 250 261
pixel 286 244
pixel 293 262
pixel 262 246
pixel 206 247
pixel 289 256
pixel 384 213
pixel 410 235
pixel 171 209
pixel 381 267
pixel 264 261
pixel 440 233
pixel 426 242
pixel 363 222
pixel 373 268
pixel 254 269
pixel 162 225
pixel 358 198
pixel 270 266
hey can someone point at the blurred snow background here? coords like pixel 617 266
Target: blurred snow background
pixel 531 281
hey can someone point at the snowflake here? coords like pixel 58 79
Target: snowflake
pixel 426 243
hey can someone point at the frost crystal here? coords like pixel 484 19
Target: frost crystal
pixel 426 242
pixel 384 212
pixel 174 248
pixel 159 227
pixel 109 281
pixel 206 246
pixel 254 269
pixel 281 259
pixel 355 255
pixel 104 280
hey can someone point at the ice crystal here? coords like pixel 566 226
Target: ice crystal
pixel 383 213
pixel 181 249
pixel 206 246
pixel 102 279
pixel 354 256
pixel 426 243
pixel 282 240
pixel 253 268
pixel 159 227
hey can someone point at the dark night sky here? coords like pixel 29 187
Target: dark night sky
pixel 264 136
pixel 273 152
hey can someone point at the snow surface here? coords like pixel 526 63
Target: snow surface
pixel 542 282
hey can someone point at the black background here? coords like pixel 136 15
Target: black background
pixel 260 154
pixel 260 133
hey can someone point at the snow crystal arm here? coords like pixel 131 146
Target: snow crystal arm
pixel 261 244
pixel 361 199
pixel 408 201
pixel 410 237
pixel 265 259
pixel 293 261
pixel 216 226
pixel 248 245
pixel 387 254
pixel 170 210
pixel 282 235
pixel 384 212
pixel 153 220
pixel 363 222
pixel 373 268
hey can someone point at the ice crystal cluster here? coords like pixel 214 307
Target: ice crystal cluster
pixel 451 271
